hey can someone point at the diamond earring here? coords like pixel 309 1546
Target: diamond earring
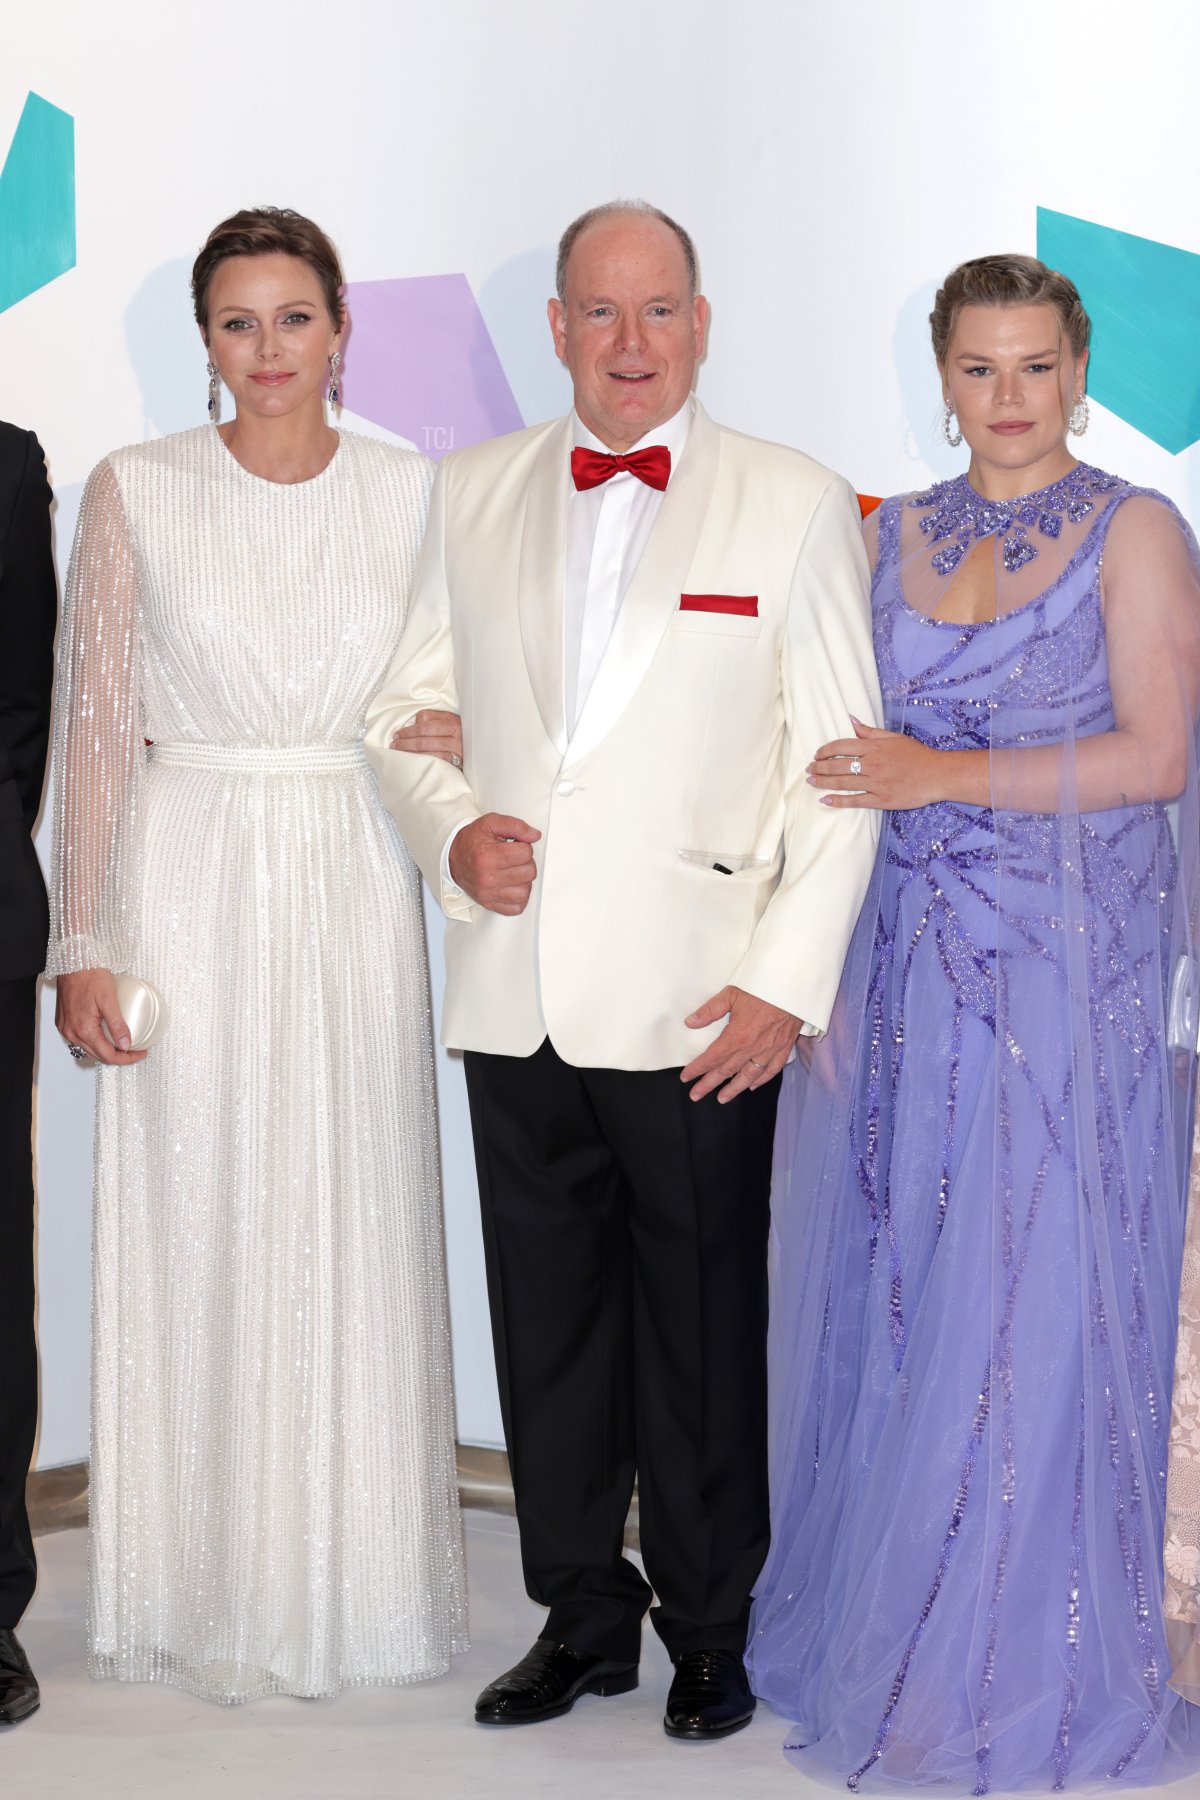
pixel 213 391
pixel 1077 424
pixel 950 431
pixel 335 392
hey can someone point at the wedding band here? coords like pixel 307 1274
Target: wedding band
pixel 78 1052
pixel 856 765
pixel 456 759
pixel 757 1064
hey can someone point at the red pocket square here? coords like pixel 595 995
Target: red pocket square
pixel 745 605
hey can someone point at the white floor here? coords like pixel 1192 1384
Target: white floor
pixel 103 1741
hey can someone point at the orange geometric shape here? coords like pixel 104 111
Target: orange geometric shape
pixel 868 502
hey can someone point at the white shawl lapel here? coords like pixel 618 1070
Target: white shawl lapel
pixel 653 595
pixel 542 577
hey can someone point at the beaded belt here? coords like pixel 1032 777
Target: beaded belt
pixel 262 759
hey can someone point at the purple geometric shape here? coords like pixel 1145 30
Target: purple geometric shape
pixel 420 361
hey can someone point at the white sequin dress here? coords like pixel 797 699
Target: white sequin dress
pixel 273 1498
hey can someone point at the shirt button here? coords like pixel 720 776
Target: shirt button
pixel 564 788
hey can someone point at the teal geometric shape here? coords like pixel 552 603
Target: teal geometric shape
pixel 1144 301
pixel 37 201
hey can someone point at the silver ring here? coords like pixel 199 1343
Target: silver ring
pixel 756 1063
pixel 78 1052
pixel 456 759
pixel 856 765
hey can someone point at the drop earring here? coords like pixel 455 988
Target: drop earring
pixel 950 431
pixel 213 391
pixel 335 392
pixel 1077 424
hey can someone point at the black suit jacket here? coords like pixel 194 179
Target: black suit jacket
pixel 28 611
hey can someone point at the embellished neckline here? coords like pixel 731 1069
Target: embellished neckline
pixel 306 481
pixel 958 518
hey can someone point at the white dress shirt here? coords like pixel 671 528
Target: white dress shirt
pixel 608 528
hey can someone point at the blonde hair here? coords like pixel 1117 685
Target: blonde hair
pixel 1011 280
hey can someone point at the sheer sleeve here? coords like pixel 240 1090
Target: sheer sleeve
pixel 1151 588
pixel 98 745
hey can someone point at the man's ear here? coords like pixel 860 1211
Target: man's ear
pixel 700 317
pixel 556 312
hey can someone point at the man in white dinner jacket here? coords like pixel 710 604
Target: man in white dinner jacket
pixel 648 624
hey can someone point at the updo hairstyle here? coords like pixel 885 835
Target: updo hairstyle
pixel 1011 280
pixel 269 231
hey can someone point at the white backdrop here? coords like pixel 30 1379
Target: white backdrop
pixel 833 160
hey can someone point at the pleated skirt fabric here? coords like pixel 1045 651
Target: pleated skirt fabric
pixel 273 1502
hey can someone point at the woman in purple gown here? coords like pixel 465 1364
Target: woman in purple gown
pixel 981 1177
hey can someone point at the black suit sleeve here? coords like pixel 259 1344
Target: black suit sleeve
pixel 28 612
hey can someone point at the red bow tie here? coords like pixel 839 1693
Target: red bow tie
pixel 591 467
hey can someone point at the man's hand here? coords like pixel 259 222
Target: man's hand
pixel 432 733
pixel 87 1000
pixel 492 861
pixel 752 1048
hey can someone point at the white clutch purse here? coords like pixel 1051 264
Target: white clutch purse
pixel 143 1009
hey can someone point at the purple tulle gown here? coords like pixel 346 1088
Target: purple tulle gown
pixel 980 1195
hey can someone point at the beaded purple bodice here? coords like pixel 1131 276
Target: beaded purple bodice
pixel 960 518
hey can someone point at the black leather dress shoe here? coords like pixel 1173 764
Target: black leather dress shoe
pixel 548 1682
pixel 18 1684
pixel 709 1697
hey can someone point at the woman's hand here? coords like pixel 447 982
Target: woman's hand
pixel 892 771
pixel 85 999
pixel 432 734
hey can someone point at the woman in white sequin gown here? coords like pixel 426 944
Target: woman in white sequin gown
pixel 273 1497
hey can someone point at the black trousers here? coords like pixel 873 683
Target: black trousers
pixel 18 1351
pixel 625 1230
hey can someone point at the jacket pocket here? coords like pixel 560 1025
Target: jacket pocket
pixel 715 624
pixel 726 862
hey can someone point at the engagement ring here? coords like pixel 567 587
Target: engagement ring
pixel 856 765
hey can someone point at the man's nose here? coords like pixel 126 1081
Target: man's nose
pixel 632 333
